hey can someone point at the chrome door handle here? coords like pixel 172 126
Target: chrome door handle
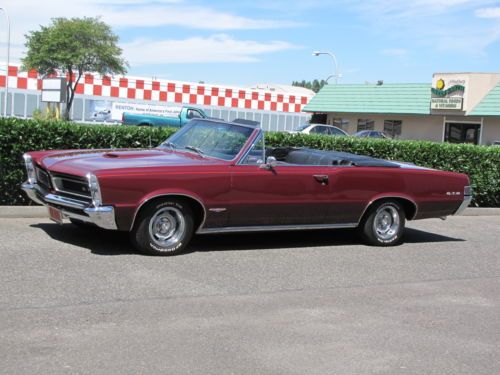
pixel 321 178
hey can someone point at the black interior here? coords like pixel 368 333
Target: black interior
pixel 305 156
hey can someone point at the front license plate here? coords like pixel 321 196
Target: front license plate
pixel 55 215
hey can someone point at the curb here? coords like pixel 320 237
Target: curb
pixel 23 212
pixel 31 212
pixel 481 211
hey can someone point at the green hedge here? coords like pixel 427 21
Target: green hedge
pixel 481 163
pixel 18 136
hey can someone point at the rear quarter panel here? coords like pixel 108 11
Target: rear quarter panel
pixel 353 189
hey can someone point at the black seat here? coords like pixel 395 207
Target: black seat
pixel 306 156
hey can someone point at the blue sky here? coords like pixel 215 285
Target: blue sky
pixel 244 42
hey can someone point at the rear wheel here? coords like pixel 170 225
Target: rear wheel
pixel 164 228
pixel 384 224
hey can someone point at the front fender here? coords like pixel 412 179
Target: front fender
pixel 126 214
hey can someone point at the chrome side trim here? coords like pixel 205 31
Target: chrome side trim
pixel 170 195
pixel 218 209
pixel 272 228
pixel 388 197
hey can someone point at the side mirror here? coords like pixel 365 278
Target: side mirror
pixel 271 163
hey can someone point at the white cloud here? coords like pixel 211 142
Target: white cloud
pixel 417 8
pixel 488 12
pixel 216 48
pixel 442 25
pixel 125 14
pixel 188 16
pixel 129 13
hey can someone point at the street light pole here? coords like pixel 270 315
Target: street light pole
pixel 336 75
pixel 8 58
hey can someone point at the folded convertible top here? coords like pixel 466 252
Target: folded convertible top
pixel 305 156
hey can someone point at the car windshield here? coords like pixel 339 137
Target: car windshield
pixel 361 133
pixel 205 138
pixel 301 127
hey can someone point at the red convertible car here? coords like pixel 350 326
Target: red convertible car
pixel 213 176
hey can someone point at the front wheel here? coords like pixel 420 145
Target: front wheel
pixel 384 224
pixel 164 228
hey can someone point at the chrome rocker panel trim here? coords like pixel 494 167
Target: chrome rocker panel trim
pixel 273 228
pixel 102 216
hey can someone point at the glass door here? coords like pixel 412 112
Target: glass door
pixel 457 132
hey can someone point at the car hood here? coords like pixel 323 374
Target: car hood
pixel 81 162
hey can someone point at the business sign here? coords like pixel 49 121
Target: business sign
pixel 54 90
pixel 448 92
pixel 118 108
pixel 446 103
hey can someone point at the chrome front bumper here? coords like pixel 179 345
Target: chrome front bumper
pixel 102 216
pixel 466 201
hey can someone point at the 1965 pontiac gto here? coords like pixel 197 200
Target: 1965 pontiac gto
pixel 213 176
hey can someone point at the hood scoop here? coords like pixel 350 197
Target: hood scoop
pixel 131 154
pixel 111 155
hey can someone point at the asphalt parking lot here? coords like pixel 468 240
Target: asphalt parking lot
pixel 75 301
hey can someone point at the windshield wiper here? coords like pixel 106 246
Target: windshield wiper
pixel 169 144
pixel 195 149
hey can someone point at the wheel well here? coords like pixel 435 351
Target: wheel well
pixel 144 124
pixel 409 206
pixel 196 206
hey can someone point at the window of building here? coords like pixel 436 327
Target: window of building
pixel 393 128
pixel 462 133
pixel 341 123
pixel 365 124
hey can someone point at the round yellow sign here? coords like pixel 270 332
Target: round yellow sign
pixel 440 84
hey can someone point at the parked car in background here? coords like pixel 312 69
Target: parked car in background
pixel 371 134
pixel 495 143
pixel 319 129
pixel 177 118
pixel 217 177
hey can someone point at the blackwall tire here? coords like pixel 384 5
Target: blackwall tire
pixel 384 224
pixel 164 228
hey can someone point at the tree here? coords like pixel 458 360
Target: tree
pixel 314 85
pixel 74 47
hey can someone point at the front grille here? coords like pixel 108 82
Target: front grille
pixel 43 178
pixel 72 185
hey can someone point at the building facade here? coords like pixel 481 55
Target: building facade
pixel 276 108
pixel 455 107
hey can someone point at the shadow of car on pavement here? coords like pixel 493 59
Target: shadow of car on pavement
pixel 103 242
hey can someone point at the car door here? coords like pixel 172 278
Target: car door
pixel 282 195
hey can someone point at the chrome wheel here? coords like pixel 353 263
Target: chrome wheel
pixel 386 223
pixel 167 226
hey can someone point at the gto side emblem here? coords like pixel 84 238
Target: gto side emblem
pixel 452 193
pixel 217 209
